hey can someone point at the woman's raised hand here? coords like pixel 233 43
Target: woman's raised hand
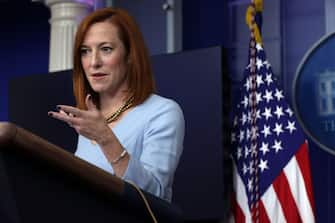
pixel 89 123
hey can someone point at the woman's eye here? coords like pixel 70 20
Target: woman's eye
pixel 84 51
pixel 106 49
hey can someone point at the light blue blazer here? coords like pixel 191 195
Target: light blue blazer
pixel 153 134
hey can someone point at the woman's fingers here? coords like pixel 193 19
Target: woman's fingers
pixel 63 116
pixel 69 110
pixel 89 123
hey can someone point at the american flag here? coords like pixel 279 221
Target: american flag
pixel 272 181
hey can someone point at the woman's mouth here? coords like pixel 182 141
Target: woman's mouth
pixel 97 76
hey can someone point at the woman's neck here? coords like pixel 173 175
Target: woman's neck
pixel 110 103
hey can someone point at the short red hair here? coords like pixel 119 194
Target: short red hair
pixel 139 78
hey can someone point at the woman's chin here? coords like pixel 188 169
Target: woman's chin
pixel 98 89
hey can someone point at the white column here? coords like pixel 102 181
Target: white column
pixel 173 10
pixel 330 16
pixel 65 17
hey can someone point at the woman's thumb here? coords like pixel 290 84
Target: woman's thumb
pixel 89 103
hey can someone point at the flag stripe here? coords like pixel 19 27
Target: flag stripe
pixel 297 186
pixel 241 195
pixel 304 165
pixel 281 186
pixel 238 213
pixel 263 217
pixel 272 206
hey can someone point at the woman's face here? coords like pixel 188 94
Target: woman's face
pixel 104 59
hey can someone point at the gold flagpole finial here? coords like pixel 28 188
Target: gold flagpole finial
pixel 255 7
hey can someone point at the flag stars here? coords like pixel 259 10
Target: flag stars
pixel 268 96
pixel 278 129
pixel 244 102
pixel 254 133
pixel 243 118
pixel 241 136
pixel 264 148
pixel 247 84
pixel 279 94
pixel 259 63
pixel 244 169
pixel 263 165
pixel 289 112
pixel 258 97
pixel 259 47
pixel 250 185
pixel 267 64
pixel 266 131
pixel 258 114
pixel 291 126
pixel 249 117
pixel 248 134
pixel 253 115
pixel 277 146
pixel 279 112
pixel 246 152
pixel 268 79
pixel 259 80
pixel 267 113
pixel 239 153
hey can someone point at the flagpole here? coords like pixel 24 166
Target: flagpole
pixel 255 178
pixel 254 38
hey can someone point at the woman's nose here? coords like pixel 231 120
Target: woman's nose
pixel 96 60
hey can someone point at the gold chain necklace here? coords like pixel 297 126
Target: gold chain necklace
pixel 115 115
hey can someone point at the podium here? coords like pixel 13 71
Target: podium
pixel 41 182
